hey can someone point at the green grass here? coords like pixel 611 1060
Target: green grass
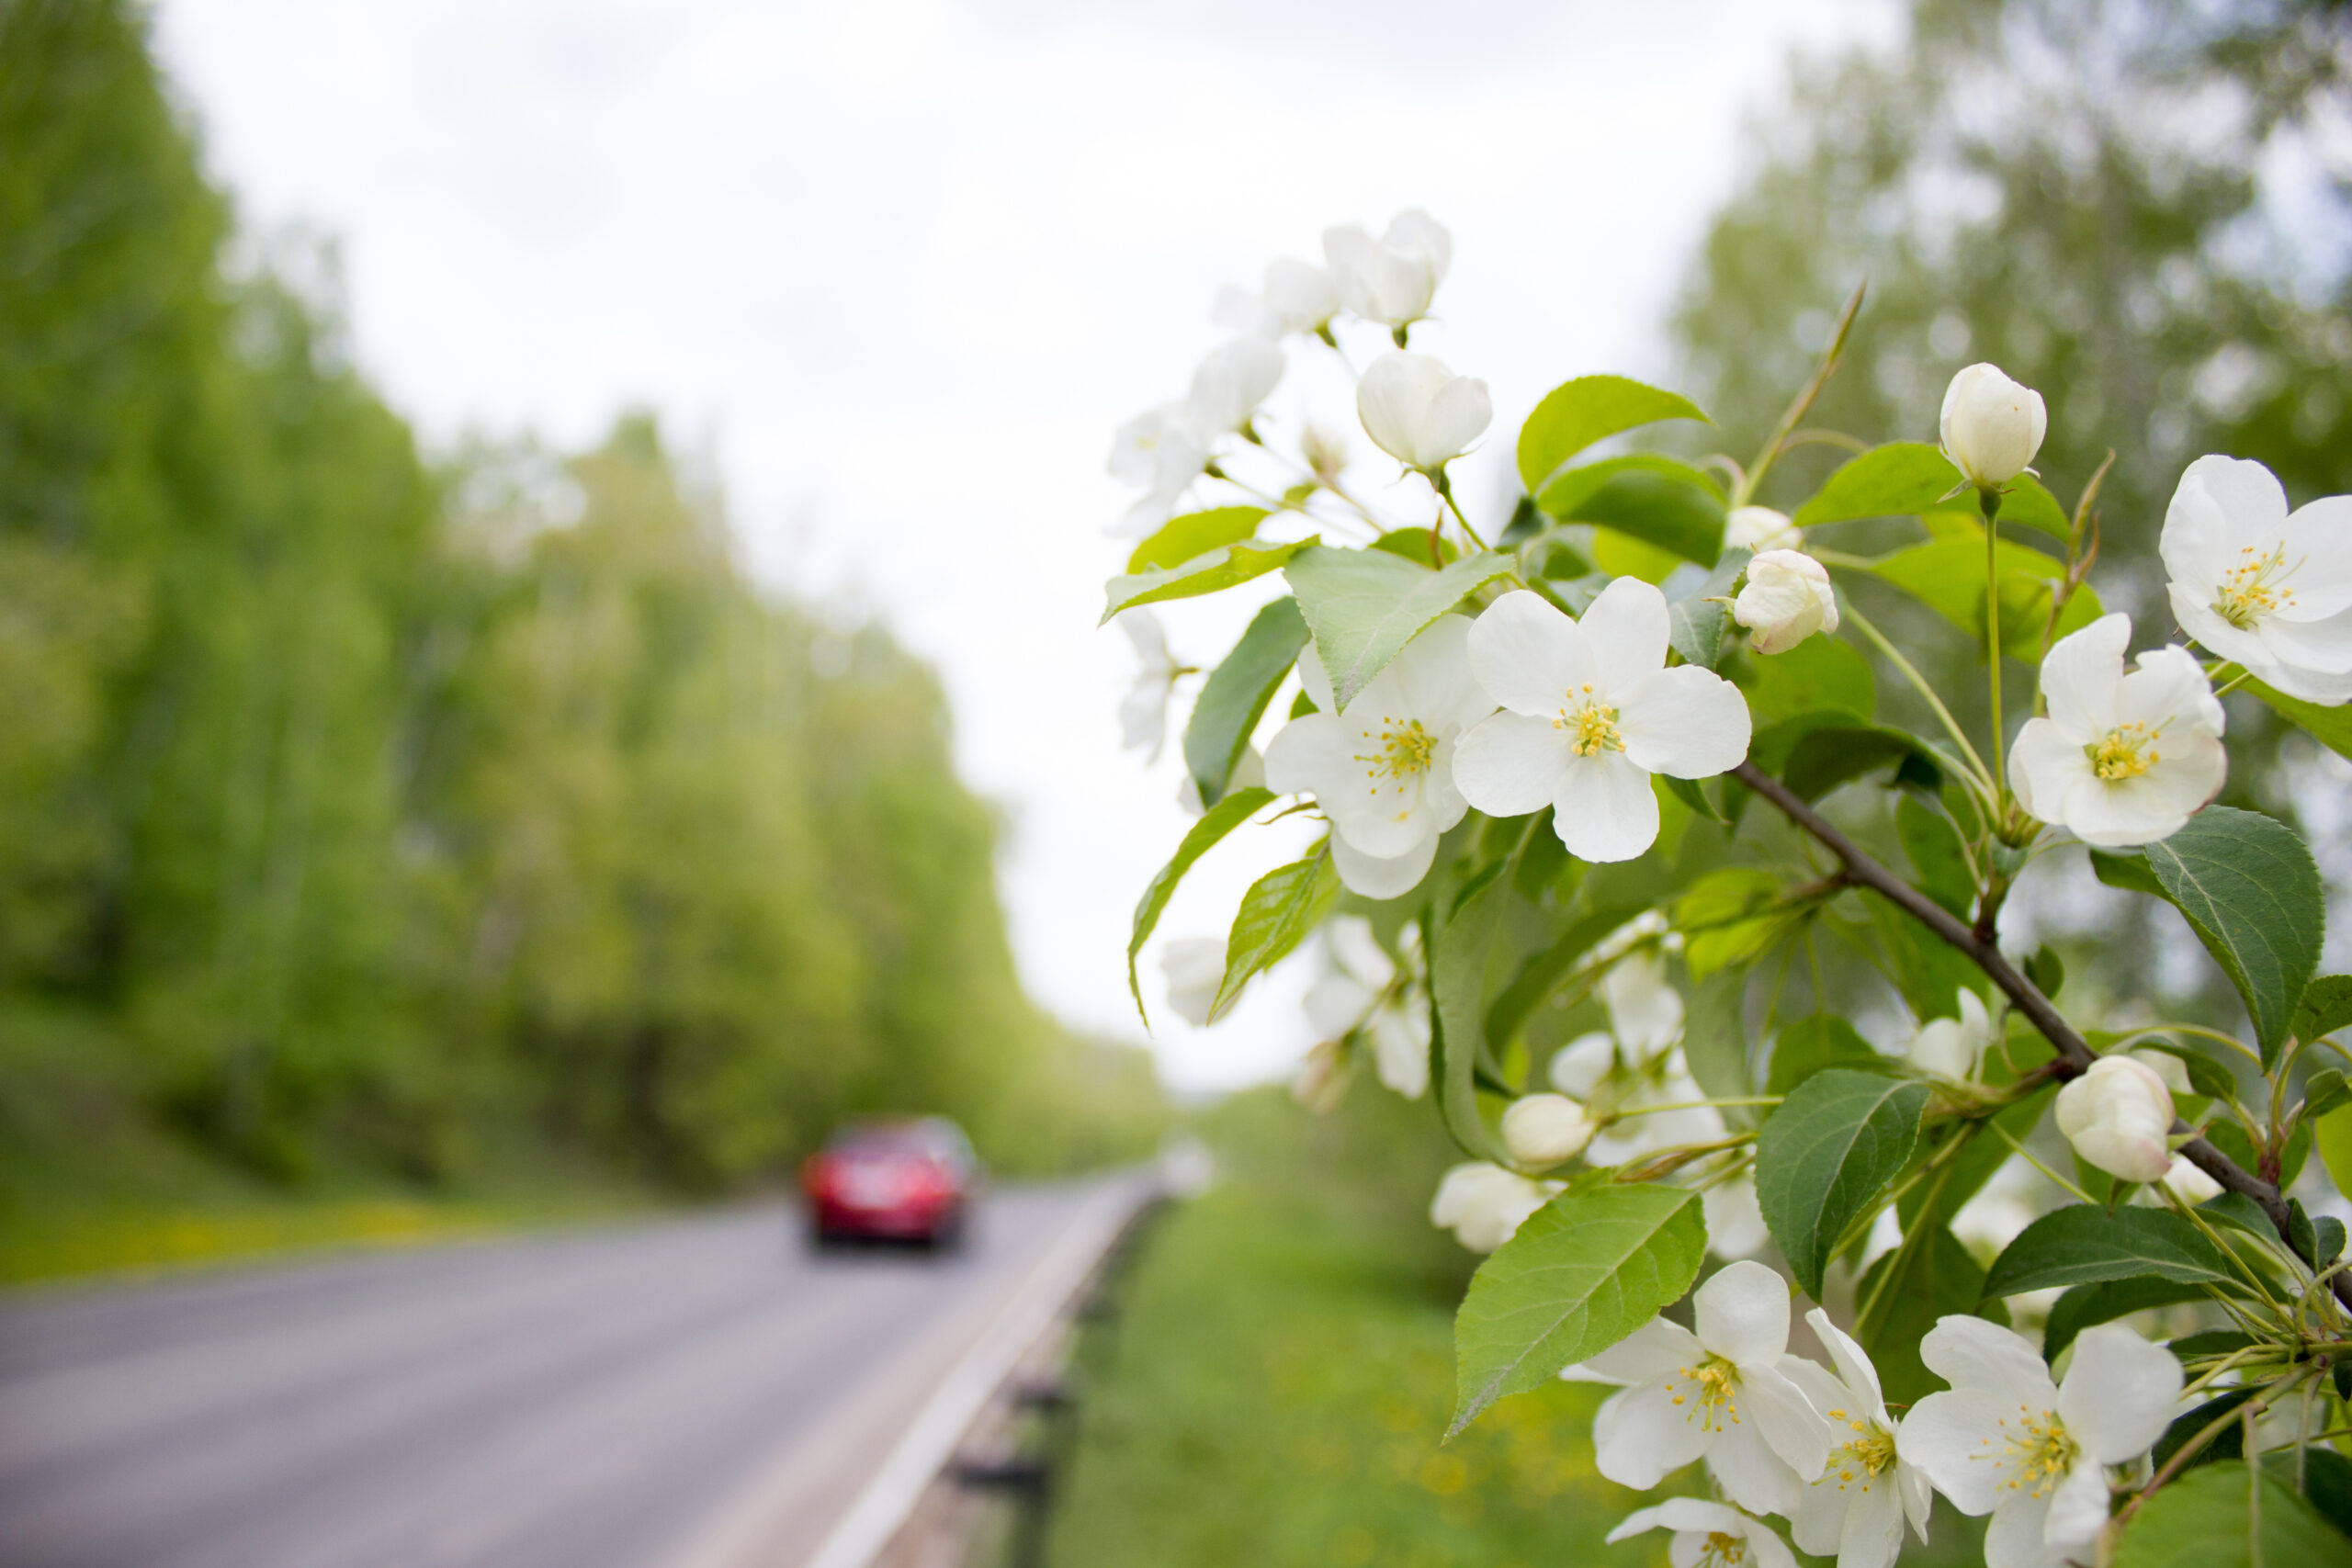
pixel 1275 1389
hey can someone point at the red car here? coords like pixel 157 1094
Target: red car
pixel 900 1179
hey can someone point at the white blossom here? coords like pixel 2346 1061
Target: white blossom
pixel 1320 1080
pixel 1484 1205
pixel 1248 772
pixel 1162 451
pixel 1735 1227
pixel 1645 1010
pixel 1546 1129
pixel 1230 383
pixel 2118 1116
pixel 1856 1510
pixel 1954 1047
pixel 2120 760
pixel 1761 528
pixel 1382 771
pixel 2005 1441
pixel 1579 1068
pixel 1390 279
pixel 1638 1128
pixel 1298 297
pixel 1143 711
pixel 1194 967
pixel 1418 411
pixel 2012 1198
pixel 1591 712
pixel 1717 1394
pixel 1786 599
pixel 2188 1184
pixel 1360 994
pixel 1992 426
pixel 2256 583
pixel 1709 1534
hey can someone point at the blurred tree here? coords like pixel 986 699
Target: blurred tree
pixel 2140 206
pixel 369 809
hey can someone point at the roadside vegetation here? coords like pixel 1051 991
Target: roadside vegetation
pixel 380 834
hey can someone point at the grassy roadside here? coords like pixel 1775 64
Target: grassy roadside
pixel 1275 1391
pixel 92 1184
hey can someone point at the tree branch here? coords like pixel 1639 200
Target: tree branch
pixel 2074 1055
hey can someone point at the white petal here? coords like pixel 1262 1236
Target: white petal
pixel 1819 1523
pixel 1751 1474
pixel 1578 1067
pixel 1370 877
pixel 2013 1538
pixel 1785 1418
pixel 1853 1363
pixel 2080 674
pixel 1680 1514
pixel 1874 1534
pixel 1400 1051
pixel 2077 1510
pixel 1640 1437
pixel 1309 755
pixel 2119 1394
pixel 1433 678
pixel 2318 541
pixel 1970 1353
pixel 2044 768
pixel 1336 1004
pixel 2118 813
pixel 1735 1225
pixel 2323 644
pixel 1657 1349
pixel 1393 401
pixel 2168 691
pixel 1527 656
pixel 1742 1314
pixel 1945 1437
pixel 1685 721
pixel 1626 628
pixel 1457 415
pixel 1509 764
pixel 1603 808
pixel 1919 1498
pixel 1316 682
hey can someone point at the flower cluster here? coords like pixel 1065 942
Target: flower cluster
pixel 1641 661
pixel 1780 1433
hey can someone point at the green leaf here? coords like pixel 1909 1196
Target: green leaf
pixel 2250 892
pixel 1728 917
pixel 1364 606
pixel 1215 824
pixel 1576 414
pixel 2083 1245
pixel 1541 974
pixel 2206 1517
pixel 2025 502
pixel 1214 572
pixel 1818 675
pixel 1938 855
pixel 1236 693
pixel 1714 1044
pixel 1828 755
pixel 2327 1091
pixel 1934 1276
pixel 1825 1157
pixel 1815 1044
pixel 1696 621
pixel 1280 908
pixel 1656 501
pixel 2326 1006
pixel 2086 1306
pixel 1422 546
pixel 1900 479
pixel 2331 726
pixel 1584 1271
pixel 1949 578
pixel 1459 958
pixel 1621 555
pixel 2227 1443
pixel 2334 1135
pixel 1194 535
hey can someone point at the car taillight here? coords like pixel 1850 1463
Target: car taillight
pixel 926 1182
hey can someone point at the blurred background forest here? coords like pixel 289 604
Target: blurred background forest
pixel 369 819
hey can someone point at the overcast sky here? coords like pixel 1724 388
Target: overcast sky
pixel 898 268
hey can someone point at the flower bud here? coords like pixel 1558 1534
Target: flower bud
pixel 1992 426
pixel 1761 528
pixel 1546 1129
pixel 1788 598
pixel 1418 411
pixel 2118 1116
pixel 2188 1184
pixel 1484 1205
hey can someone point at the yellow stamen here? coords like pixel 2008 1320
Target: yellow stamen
pixel 2256 587
pixel 1722 1551
pixel 1592 723
pixel 1716 1384
pixel 1401 752
pixel 2127 751
pixel 2039 1450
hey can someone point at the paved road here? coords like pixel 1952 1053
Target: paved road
pixel 583 1402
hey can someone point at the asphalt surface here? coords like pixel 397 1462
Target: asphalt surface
pixel 581 1402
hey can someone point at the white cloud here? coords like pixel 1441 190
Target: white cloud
pixel 908 264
